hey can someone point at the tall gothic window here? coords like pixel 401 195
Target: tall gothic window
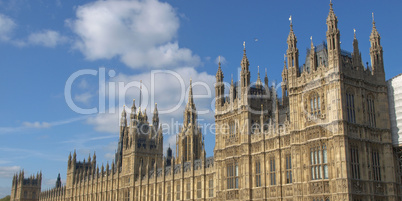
pixel 211 188
pixel 318 162
pixel 354 162
pixel 376 165
pixel 199 189
pixel 315 105
pixel 188 191
pixel 151 192
pixel 178 192
pixel 350 107
pixel 288 169
pixel 168 192
pixel 371 111
pixel 233 176
pixel 160 193
pixel 232 129
pixel 258 174
pixel 272 171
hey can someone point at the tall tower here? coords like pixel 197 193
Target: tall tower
pixel 141 143
pixel 333 41
pixel 189 140
pixel 26 189
pixel 58 181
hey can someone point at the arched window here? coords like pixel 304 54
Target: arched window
pixel 232 129
pixel 315 105
pixel 350 107
pixel 371 111
pixel 319 162
pixel 232 179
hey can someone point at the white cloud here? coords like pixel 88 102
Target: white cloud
pixel 8 171
pixel 83 98
pixel 47 38
pixel 7 25
pixel 36 124
pixel 168 92
pixel 39 125
pixel 140 33
pixel 109 156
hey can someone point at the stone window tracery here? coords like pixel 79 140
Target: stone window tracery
pixel 288 169
pixel 350 107
pixel 232 176
pixel 318 162
pixel 258 174
pixel 371 111
pixel 272 171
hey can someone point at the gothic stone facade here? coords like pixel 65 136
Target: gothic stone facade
pixel 327 138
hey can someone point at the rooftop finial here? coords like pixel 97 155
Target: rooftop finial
pixel 244 45
pixel 258 67
pixel 354 33
pixel 291 22
pixel 330 4
pixel 372 15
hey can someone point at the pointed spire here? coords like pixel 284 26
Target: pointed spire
pixel 331 16
pixel 219 73
pixel 123 121
pixel 372 15
pixel 155 118
pixel 94 157
pixel 190 92
pixel 258 83
pixel 266 78
pixel 244 62
pixel 312 44
pixel 376 51
pixel 356 55
pixel 374 32
pixel 133 112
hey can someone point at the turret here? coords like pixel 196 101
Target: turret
pixel 155 118
pixel 245 73
pixel 123 127
pixel 333 40
pixel 169 156
pixel 284 84
pixel 58 181
pixel 292 52
pixel 376 52
pixel 232 91
pixel 356 55
pixel 258 83
pixel 190 113
pixel 313 59
pixel 133 115
pixel 219 86
pixel 94 159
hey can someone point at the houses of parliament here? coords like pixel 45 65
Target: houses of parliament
pixel 327 138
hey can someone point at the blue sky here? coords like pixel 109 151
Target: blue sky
pixel 43 43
